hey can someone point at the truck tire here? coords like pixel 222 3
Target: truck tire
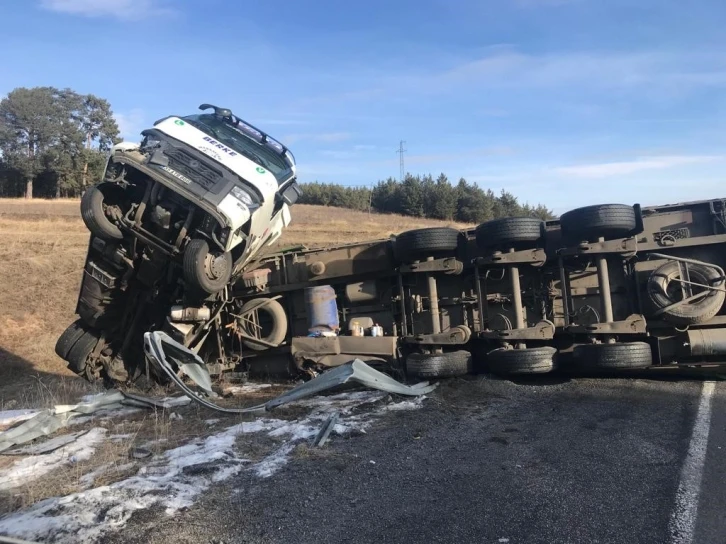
pixel 416 244
pixel 609 221
pixel 68 339
pixel 277 321
pixel 78 354
pixel 94 216
pixel 619 356
pixel 538 360
pixel 441 365
pixel 509 232
pixel 205 271
pixel 664 291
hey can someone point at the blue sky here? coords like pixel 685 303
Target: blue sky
pixel 564 102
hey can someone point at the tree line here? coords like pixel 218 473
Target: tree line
pixel 53 144
pixel 53 141
pixel 422 196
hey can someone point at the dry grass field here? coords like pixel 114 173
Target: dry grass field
pixel 42 248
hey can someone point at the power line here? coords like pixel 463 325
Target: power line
pixel 401 151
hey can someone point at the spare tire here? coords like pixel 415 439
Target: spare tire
pixel 664 290
pixel 421 243
pixel 204 270
pixel 94 215
pixel 538 360
pixel 608 221
pixel 441 365
pixel 510 232
pixel 272 327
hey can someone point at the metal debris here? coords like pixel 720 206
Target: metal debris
pixel 326 429
pixel 48 446
pixel 49 421
pixel 139 453
pixel 355 371
pixel 158 343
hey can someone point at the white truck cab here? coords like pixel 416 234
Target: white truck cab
pixel 208 189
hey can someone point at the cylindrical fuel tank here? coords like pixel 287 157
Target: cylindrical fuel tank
pixel 707 342
pixel 321 308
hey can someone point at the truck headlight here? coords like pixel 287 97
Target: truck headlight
pixel 244 197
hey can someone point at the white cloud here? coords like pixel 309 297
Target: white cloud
pixel 645 73
pixel 128 10
pixel 130 123
pixel 624 168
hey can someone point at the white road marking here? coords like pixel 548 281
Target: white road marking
pixel 682 524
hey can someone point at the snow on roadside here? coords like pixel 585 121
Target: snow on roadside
pixel 35 466
pixel 175 479
pixel 10 417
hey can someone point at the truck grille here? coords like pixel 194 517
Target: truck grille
pixel 194 169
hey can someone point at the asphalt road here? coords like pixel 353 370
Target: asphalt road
pixel 583 461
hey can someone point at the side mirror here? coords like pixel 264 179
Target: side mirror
pixel 291 194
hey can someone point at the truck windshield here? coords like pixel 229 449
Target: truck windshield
pixel 242 143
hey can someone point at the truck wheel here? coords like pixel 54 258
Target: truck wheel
pixel 609 221
pixel 93 213
pixel 441 365
pixel 68 339
pixel 415 244
pixel 619 356
pixel 522 361
pixel 78 354
pixel 265 319
pixel 510 232
pixel 664 290
pixel 205 270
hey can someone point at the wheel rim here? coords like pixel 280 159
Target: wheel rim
pixel 215 266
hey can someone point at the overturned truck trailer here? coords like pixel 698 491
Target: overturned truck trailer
pixel 603 288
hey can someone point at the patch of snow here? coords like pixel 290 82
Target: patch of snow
pixel 413 404
pixel 87 480
pixel 10 417
pixel 273 462
pixel 247 388
pixel 296 430
pixel 342 402
pixel 212 422
pixel 176 478
pixel 35 466
pixel 175 416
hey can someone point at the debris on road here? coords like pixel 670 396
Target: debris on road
pixel 324 433
pixel 165 353
pixel 47 422
pixel 48 446
pixel 139 453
